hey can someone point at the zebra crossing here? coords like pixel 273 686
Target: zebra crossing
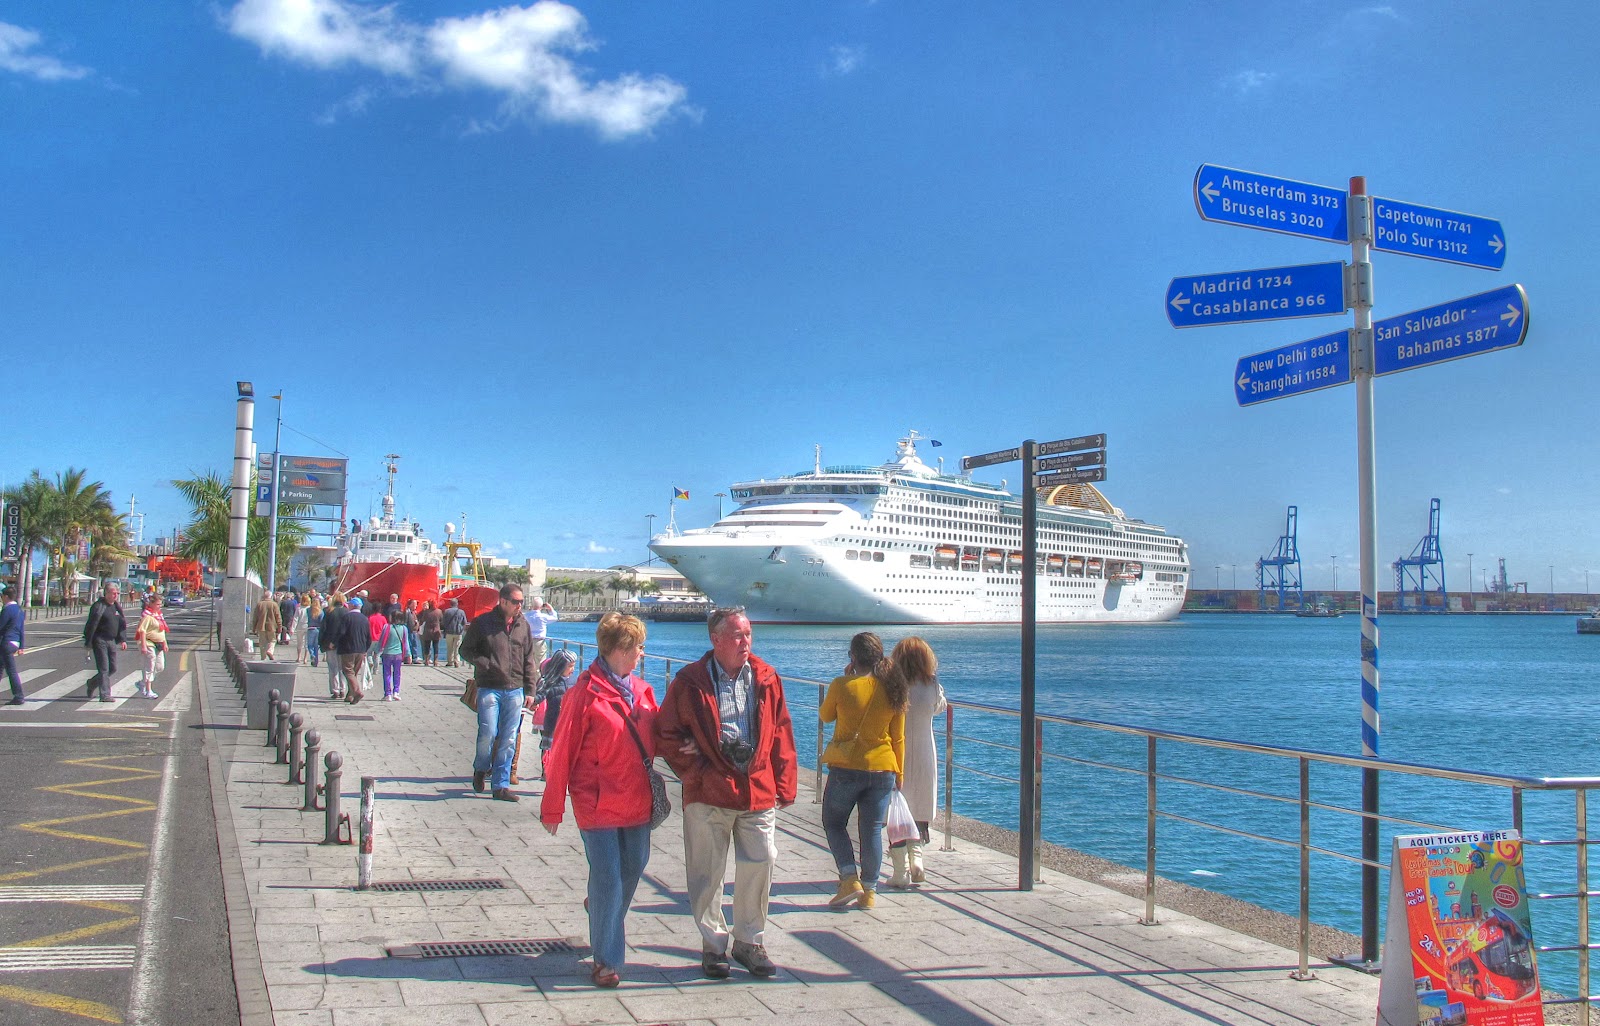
pixel 66 692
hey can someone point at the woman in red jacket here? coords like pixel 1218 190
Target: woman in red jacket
pixel 605 740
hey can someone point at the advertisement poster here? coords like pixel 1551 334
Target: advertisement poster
pixel 1459 933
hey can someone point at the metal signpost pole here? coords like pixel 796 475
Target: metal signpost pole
pixel 1027 827
pixel 277 486
pixel 1367 499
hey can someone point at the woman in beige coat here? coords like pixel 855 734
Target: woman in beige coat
pixel 913 658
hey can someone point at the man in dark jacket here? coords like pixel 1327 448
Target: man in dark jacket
pixel 352 638
pixel 103 634
pixel 328 642
pixel 724 728
pixel 499 646
pixel 454 624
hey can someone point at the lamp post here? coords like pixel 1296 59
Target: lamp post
pixel 272 534
pixel 649 532
pixel 1469 578
pixel 1219 578
pixel 1335 573
pixel 1233 576
pixel 233 595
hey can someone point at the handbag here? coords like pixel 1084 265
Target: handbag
pixel 900 825
pixel 469 697
pixel 660 804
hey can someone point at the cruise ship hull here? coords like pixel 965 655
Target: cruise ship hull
pixel 815 585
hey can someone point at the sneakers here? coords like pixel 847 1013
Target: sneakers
pixel 754 958
pixel 868 899
pixel 602 975
pixel 480 781
pixel 714 964
pixel 18 700
pixel 505 794
pixel 849 892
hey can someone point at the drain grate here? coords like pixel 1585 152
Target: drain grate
pixel 338 717
pixel 486 884
pixel 440 687
pixel 478 948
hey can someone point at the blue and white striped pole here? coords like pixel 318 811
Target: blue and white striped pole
pixel 1361 352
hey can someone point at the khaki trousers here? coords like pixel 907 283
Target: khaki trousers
pixel 707 831
pixel 452 649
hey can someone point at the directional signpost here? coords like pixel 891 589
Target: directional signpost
pixel 1253 200
pixel 1268 294
pixel 1492 320
pixel 1293 370
pixel 1476 324
pixel 1074 467
pixel 1437 234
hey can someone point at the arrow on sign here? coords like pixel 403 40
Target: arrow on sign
pixel 1484 323
pixel 1209 192
pixel 1179 302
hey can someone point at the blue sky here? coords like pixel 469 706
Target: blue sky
pixel 565 258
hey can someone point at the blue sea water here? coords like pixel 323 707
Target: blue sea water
pixel 1498 694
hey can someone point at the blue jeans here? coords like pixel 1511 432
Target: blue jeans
pixel 868 792
pixel 617 858
pixel 413 646
pixel 313 635
pixel 499 716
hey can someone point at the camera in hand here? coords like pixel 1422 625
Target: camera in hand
pixel 737 750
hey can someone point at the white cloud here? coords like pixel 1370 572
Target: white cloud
pixel 519 53
pixel 842 60
pixel 1249 80
pixel 506 546
pixel 16 46
pixel 595 548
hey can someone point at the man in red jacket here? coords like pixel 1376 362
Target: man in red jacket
pixel 724 728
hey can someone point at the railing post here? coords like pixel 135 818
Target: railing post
pixel 272 717
pixel 949 772
pixel 331 818
pixel 816 792
pixel 1581 798
pixel 283 732
pixel 309 768
pixel 1516 810
pixel 1038 803
pixel 297 729
pixel 1149 832
pixel 1304 972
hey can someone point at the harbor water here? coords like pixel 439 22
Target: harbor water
pixel 1498 694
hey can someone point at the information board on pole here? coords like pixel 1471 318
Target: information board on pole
pixel 1434 234
pixel 1484 323
pixel 1458 946
pixel 1071 459
pixel 11 529
pixel 1264 294
pixel 989 459
pixel 1072 444
pixel 1252 200
pixel 1307 366
pixel 1050 479
pixel 264 498
pixel 312 480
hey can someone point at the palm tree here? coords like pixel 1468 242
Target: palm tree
pixel 76 509
pixel 206 537
pixel 559 586
pixel 109 554
pixel 34 496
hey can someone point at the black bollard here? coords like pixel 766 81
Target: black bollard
pixel 272 717
pixel 283 732
pixel 331 819
pixel 297 730
pixel 309 769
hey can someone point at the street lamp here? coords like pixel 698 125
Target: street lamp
pixel 649 532
pixel 272 534
pixel 1469 575
pixel 1335 572
pixel 1233 580
pixel 1219 578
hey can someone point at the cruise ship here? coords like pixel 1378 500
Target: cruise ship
pixel 903 543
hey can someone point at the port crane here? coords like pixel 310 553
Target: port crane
pixel 1280 571
pixel 1421 574
pixel 1502 585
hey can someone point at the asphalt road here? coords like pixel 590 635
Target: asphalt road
pixel 110 889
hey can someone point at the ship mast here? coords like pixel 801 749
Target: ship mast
pixel 388 496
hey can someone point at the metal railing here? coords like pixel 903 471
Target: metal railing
pixel 1172 764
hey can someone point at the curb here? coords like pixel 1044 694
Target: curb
pixel 249 980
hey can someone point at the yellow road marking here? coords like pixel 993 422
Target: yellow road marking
pixel 82 933
pixel 28 874
pixel 61 1003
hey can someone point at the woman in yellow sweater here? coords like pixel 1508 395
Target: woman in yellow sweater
pixel 865 759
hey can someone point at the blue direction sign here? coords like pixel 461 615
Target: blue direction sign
pixel 1268 294
pixel 1492 320
pixel 1303 367
pixel 1437 234
pixel 1253 200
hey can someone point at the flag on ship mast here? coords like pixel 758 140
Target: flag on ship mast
pixel 679 493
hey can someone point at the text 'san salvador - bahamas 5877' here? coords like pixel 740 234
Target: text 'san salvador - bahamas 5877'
pixel 904 543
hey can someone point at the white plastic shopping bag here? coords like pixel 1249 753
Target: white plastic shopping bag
pixel 901 826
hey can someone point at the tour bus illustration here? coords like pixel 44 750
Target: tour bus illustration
pixel 1493 961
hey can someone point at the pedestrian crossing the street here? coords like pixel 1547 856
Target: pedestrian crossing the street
pixel 68 691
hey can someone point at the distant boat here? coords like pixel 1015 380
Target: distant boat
pixel 1319 610
pixel 1589 624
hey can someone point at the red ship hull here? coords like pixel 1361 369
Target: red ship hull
pixel 418 581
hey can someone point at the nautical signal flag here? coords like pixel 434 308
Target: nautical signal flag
pixel 679 493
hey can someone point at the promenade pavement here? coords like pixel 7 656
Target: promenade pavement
pixel 966 949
